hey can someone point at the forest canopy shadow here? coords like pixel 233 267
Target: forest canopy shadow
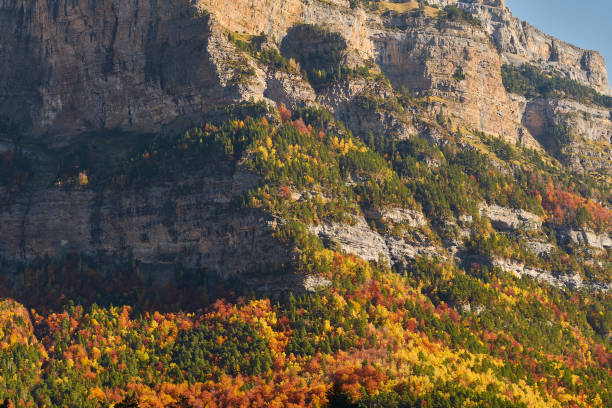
pixel 49 285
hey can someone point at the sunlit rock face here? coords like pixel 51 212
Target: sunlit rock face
pixel 75 67
pixel 74 70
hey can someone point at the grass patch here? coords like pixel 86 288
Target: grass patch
pixel 402 8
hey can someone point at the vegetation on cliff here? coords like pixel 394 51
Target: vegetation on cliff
pixel 435 334
pixel 531 82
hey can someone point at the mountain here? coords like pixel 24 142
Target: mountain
pixel 301 203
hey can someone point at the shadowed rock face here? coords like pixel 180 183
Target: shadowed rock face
pixel 72 68
pixel 193 218
pixel 75 66
pixel 580 135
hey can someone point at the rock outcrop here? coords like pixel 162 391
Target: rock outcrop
pixel 578 134
pixel 586 238
pixel 506 219
pixel 193 221
pixel 358 239
pixel 361 240
pixel 397 215
pixel 402 251
pixel 521 43
pixel 574 281
pixel 456 64
pixel 539 248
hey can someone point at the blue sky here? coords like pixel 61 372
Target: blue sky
pixel 585 23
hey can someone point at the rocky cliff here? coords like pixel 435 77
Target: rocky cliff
pixel 580 134
pixel 520 42
pixel 72 72
pixel 192 220
pixel 104 65
pixel 144 66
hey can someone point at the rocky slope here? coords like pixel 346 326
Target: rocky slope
pixel 188 220
pixel 520 42
pixel 72 71
pixel 143 66
pixel 301 203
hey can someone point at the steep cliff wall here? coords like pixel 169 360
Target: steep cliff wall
pixel 521 43
pixel 413 52
pixel 74 66
pixel 274 18
pixel 194 219
pixel 581 135
pixel 455 62
pixel 142 65
pixel 419 54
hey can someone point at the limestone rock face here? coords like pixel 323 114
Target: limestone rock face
pixel 397 215
pixel 90 66
pixel 587 238
pixel 343 99
pixel 411 218
pixel 193 222
pixel 510 219
pixel 580 135
pixel 358 239
pixel 289 89
pixel 521 42
pixel 455 63
pixel 361 240
pixel 148 66
pixel 574 281
pixel 413 52
pixel 402 251
pixel 419 55
pixel 274 18
pixel 539 248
